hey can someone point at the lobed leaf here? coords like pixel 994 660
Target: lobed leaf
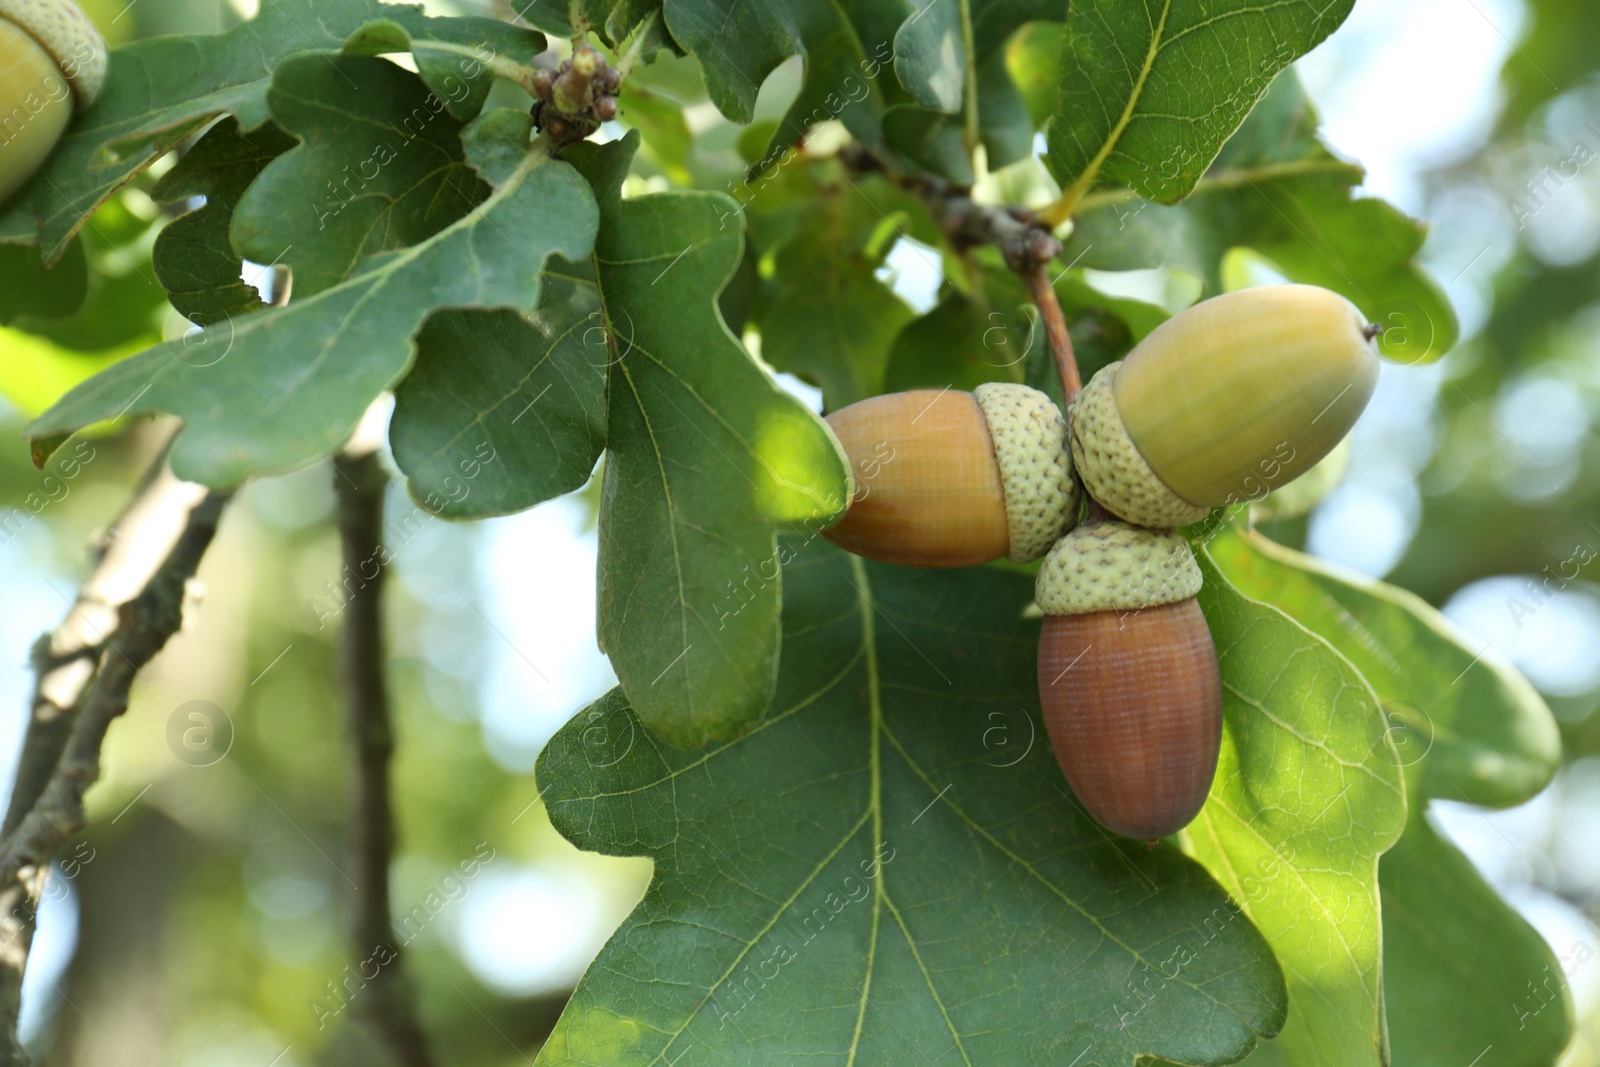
pixel 161 90
pixel 888 870
pixel 193 257
pixel 380 166
pixel 1467 725
pixel 848 53
pixel 276 389
pixel 1459 963
pixel 1463 973
pixel 951 58
pixel 1278 190
pixel 1308 794
pixel 501 412
pixel 706 457
pixel 1151 89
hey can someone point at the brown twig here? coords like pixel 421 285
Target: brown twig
pixel 1024 242
pixel 389 1002
pixel 128 608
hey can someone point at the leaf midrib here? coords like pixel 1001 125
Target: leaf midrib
pixel 1076 190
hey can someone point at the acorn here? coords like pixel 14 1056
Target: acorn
pixel 1223 403
pixel 52 63
pixel 951 479
pixel 1303 494
pixel 1128 678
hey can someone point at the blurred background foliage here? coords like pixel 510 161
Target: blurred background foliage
pixel 200 921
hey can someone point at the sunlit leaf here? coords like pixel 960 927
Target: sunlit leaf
pixel 1467 726
pixel 706 456
pixel 1278 190
pixel 1308 794
pixel 1464 975
pixel 1150 89
pixel 888 870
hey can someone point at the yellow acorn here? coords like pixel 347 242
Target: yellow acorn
pixel 52 63
pixel 1307 491
pixel 1223 403
pixel 1129 684
pixel 950 479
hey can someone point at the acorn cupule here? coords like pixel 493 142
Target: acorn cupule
pixel 52 64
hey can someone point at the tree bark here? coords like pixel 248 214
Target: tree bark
pixel 128 608
pixel 388 1001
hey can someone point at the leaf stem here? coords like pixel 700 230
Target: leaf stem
pixel 969 45
pixel 636 45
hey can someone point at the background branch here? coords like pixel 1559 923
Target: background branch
pixel 388 1001
pixel 127 609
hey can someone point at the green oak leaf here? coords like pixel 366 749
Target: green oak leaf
pixel 848 52
pixel 824 315
pixel 1150 89
pixel 929 140
pixel 1308 794
pixel 193 257
pixel 124 305
pixel 41 291
pixel 160 91
pixel 1277 189
pixel 706 456
pixel 888 869
pixel 952 61
pixel 939 48
pixel 279 388
pixel 457 65
pixel 668 141
pixel 1466 724
pixel 1033 59
pixel 829 319
pixel 1457 960
pixel 613 21
pixel 1462 972
pixel 951 58
pixel 380 167
pixel 501 412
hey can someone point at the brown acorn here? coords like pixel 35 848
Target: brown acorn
pixel 950 479
pixel 1128 677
